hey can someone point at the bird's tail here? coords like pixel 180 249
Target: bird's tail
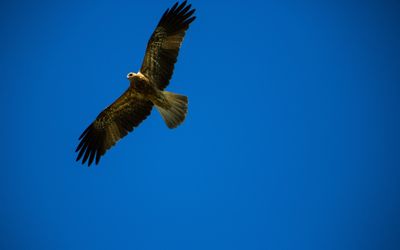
pixel 174 112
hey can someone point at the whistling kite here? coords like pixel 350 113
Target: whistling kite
pixel 145 90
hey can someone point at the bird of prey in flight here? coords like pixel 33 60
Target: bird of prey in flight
pixel 146 89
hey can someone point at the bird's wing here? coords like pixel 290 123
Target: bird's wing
pixel 163 46
pixel 112 124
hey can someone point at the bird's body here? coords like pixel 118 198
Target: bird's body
pixel 146 89
pixel 141 86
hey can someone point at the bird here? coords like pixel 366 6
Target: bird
pixel 145 91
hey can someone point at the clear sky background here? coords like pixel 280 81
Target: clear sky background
pixel 291 141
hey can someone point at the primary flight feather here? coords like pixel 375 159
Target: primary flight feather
pixel 146 89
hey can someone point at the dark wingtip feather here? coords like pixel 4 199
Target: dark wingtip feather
pixel 84 132
pixel 163 16
pixel 88 150
pixel 98 155
pixel 185 10
pixel 174 7
pixel 190 13
pixel 82 150
pixel 93 149
pixel 91 157
pixel 184 3
pixel 174 18
pixel 180 7
pixel 79 146
pixel 85 146
pixel 189 21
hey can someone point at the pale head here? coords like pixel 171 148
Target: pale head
pixel 130 75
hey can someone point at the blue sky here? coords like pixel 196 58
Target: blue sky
pixel 291 141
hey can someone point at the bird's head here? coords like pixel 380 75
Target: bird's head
pixel 130 75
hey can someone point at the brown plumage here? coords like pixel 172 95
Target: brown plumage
pixel 145 90
pixel 163 46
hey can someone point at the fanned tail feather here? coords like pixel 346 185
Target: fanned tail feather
pixel 176 113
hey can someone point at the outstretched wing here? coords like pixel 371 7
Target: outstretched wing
pixel 163 46
pixel 112 124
